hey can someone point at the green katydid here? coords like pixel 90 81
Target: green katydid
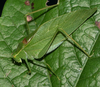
pixel 52 32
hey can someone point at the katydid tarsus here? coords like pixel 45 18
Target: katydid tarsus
pixel 59 28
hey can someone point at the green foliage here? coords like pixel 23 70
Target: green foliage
pixel 69 63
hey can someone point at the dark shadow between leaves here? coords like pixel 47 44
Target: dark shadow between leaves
pixel 16 63
pixel 46 67
pixel 51 2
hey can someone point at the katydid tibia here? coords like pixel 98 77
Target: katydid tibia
pixel 51 34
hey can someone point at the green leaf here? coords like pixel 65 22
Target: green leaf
pixel 91 73
pixel 68 62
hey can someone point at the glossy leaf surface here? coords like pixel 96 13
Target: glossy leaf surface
pixel 67 61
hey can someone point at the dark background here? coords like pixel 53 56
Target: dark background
pixel 1 5
pixel 50 2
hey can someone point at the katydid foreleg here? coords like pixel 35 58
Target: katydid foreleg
pixel 38 63
pixel 27 62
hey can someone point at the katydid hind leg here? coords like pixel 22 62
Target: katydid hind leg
pixel 67 35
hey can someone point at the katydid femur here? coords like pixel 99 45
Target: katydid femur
pixel 47 36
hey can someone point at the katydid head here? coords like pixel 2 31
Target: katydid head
pixel 17 59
